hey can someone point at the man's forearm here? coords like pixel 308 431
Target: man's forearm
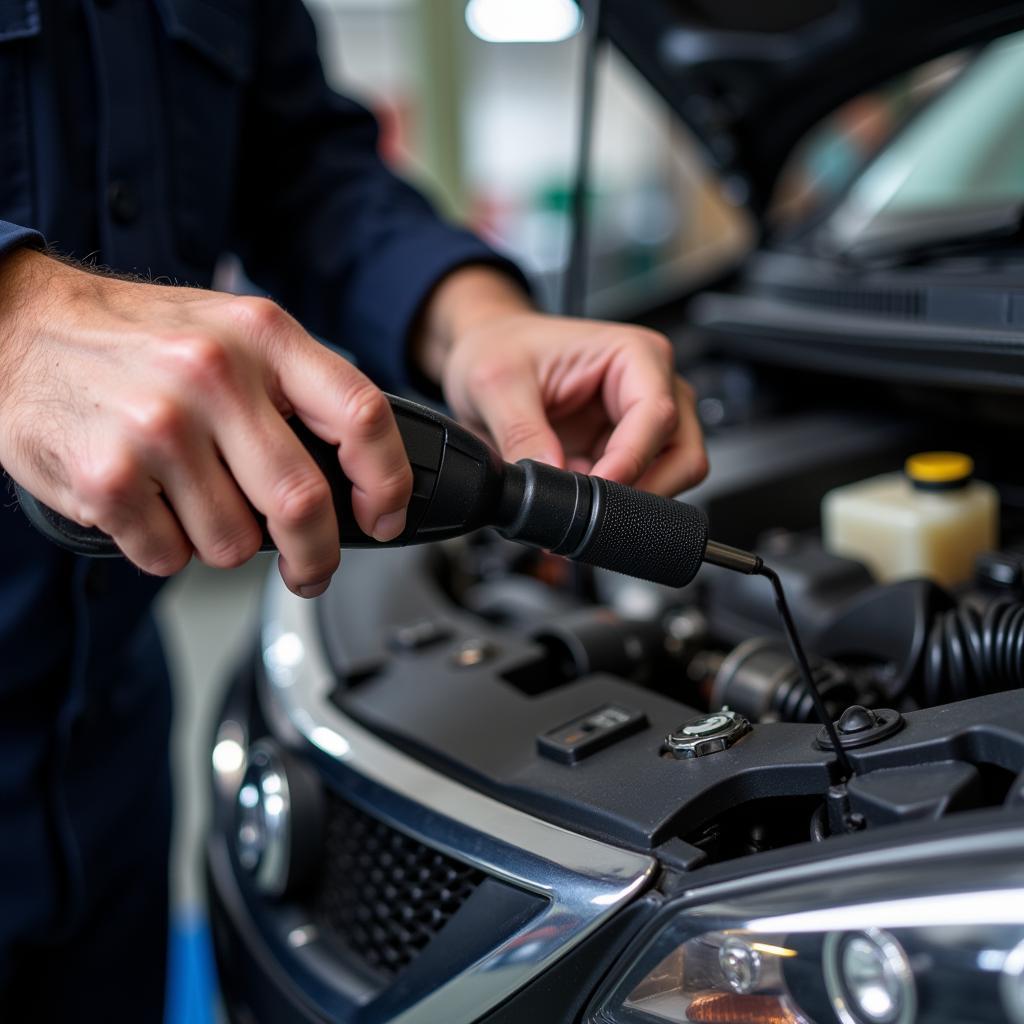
pixel 22 274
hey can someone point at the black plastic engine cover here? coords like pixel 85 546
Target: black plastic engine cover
pixel 452 704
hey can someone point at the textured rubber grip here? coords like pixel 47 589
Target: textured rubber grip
pixel 643 535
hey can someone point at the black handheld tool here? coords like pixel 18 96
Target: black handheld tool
pixel 461 484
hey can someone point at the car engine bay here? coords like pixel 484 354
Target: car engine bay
pixel 676 721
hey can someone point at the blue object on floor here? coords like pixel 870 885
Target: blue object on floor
pixel 191 976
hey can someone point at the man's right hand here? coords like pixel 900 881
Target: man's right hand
pixel 153 412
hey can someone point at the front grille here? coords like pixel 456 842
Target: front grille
pixel 382 895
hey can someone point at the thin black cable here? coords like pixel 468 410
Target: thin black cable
pixel 800 657
pixel 574 280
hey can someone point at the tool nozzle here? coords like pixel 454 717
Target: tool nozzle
pixel 736 559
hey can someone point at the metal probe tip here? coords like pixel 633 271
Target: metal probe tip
pixel 736 559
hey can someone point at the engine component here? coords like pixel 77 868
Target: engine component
pixel 887 625
pixel 707 735
pixel 686 631
pixel 858 727
pixel 819 585
pixel 970 652
pixel 596 639
pixel 916 792
pixel 1001 571
pixel 586 640
pixel 842 614
pixel 930 521
pixel 759 679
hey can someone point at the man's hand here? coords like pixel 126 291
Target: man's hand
pixel 596 397
pixel 154 413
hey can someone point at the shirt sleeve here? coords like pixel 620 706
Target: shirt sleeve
pixel 14 236
pixel 320 222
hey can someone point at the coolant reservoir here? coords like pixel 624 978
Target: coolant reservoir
pixel 931 520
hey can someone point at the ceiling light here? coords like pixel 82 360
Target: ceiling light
pixel 523 21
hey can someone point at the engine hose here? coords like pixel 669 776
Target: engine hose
pixel 970 653
pixel 793 702
pixel 759 679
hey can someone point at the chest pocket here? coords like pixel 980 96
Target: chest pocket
pixel 19 24
pixel 209 60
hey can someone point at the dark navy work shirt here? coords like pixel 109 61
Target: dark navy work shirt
pixel 153 136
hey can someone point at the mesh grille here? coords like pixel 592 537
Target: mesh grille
pixel 381 894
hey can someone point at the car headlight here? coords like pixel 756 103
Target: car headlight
pixel 858 941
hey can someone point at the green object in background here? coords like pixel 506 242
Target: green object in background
pixel 556 197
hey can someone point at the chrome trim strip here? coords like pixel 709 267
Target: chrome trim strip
pixel 584 881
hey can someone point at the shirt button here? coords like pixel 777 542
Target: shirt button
pixel 123 202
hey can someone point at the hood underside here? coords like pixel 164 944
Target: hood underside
pixel 750 79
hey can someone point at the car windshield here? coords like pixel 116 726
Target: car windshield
pixel 956 170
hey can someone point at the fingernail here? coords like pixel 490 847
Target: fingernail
pixel 389 526
pixel 314 589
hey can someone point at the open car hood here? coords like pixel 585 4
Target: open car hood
pixel 751 77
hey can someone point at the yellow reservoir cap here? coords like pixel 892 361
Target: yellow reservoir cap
pixel 939 467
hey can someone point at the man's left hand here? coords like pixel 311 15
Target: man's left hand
pixel 596 397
